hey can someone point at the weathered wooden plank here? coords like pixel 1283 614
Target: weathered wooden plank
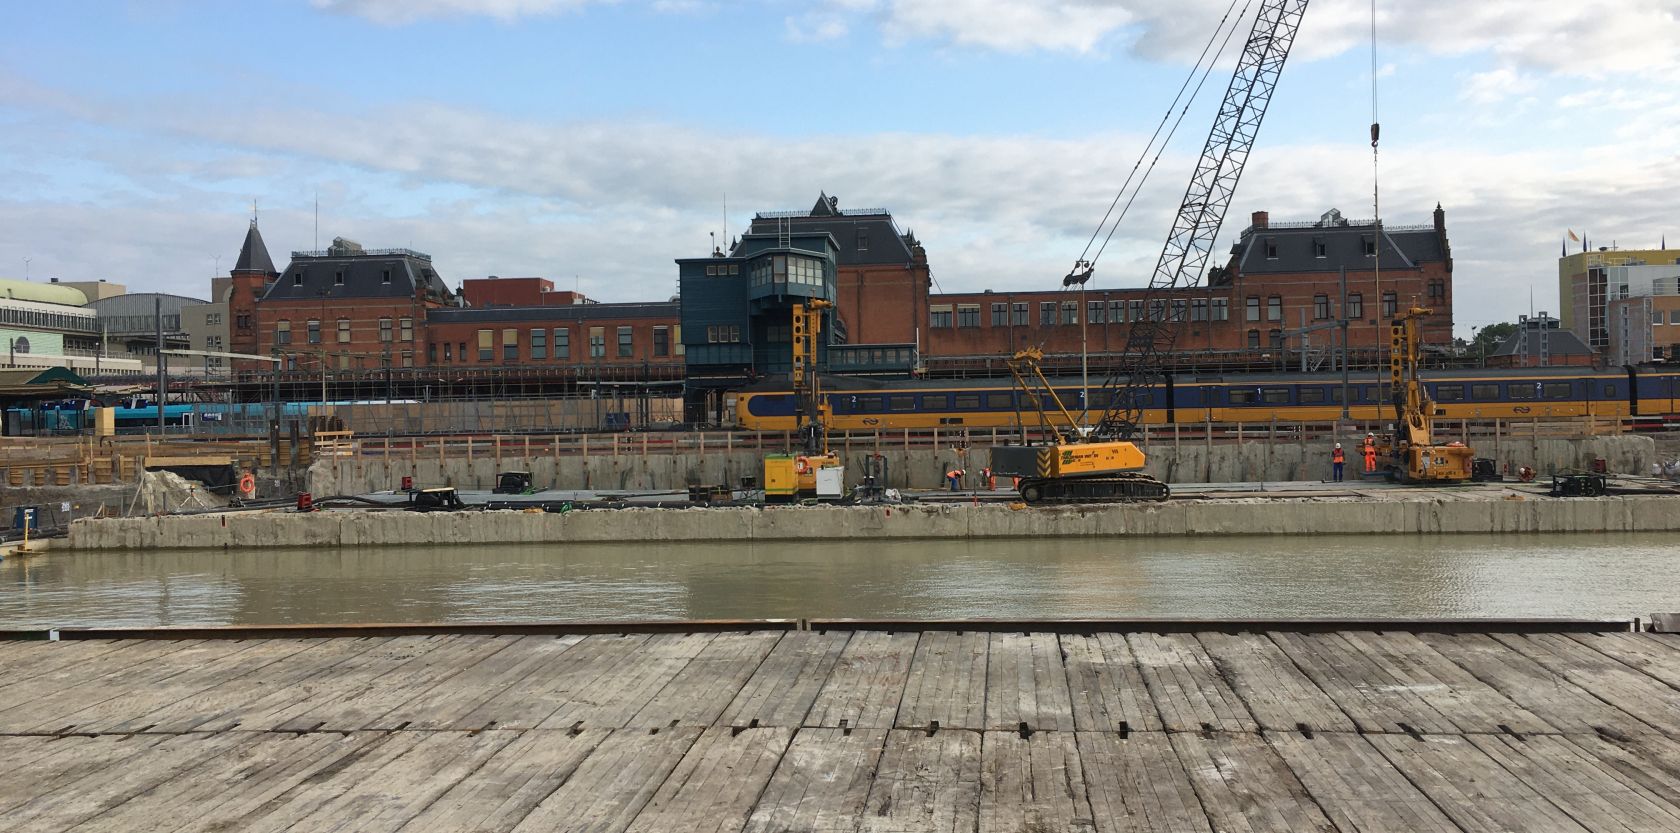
pixel 613 784
pixel 387 798
pixel 1472 789
pixel 42 704
pixel 947 681
pixel 1579 783
pixel 501 793
pixel 525 702
pixel 1105 685
pixel 1026 682
pixel 706 686
pixel 76 664
pixel 926 784
pixel 381 687
pixel 1032 783
pixel 1565 706
pixel 1244 786
pixel 334 681
pixel 1280 697
pixel 447 704
pixel 1650 760
pixel 128 713
pixel 77 801
pixel 259 692
pixel 1136 785
pixel 717 783
pixel 822 782
pixel 611 698
pixel 221 785
pixel 1444 686
pixel 1635 692
pixel 780 692
pixel 1374 697
pixel 36 766
pixel 1654 654
pixel 1186 686
pixel 1356 787
pixel 867 683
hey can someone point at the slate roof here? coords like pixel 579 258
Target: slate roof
pixel 1403 247
pixel 1560 342
pixel 253 255
pixel 886 244
pixel 566 312
pixel 364 275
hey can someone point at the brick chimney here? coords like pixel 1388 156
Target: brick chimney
pixel 1260 219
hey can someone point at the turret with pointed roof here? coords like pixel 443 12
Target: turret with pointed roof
pixel 253 256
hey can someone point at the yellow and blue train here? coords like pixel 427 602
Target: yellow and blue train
pixel 1645 393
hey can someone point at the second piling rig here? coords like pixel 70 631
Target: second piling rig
pixel 1417 458
pixel 1096 462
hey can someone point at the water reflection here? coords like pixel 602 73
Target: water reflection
pixel 1459 576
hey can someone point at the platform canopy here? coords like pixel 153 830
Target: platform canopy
pixel 40 384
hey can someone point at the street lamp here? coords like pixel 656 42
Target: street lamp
pixel 26 267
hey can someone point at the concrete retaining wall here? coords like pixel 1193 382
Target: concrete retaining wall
pixel 1236 517
pixel 925 468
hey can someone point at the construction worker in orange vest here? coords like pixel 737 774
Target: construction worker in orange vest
pixel 955 476
pixel 1337 458
pixel 1370 452
pixel 988 479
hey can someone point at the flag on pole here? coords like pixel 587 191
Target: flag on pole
pixel 1573 237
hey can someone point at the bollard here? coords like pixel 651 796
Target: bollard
pixel 305 502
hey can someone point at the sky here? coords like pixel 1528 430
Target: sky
pixel 595 141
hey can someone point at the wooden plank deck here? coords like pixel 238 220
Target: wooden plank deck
pixel 878 731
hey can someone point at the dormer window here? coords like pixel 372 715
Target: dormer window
pixel 1319 249
pixel 297 278
pixel 1271 249
pixel 1370 246
pixel 338 278
pixel 385 276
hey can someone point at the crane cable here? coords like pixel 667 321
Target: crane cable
pixel 1376 206
pixel 1151 145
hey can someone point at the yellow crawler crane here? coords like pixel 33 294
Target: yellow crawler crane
pixel 1076 468
pixel 1416 456
pixel 815 472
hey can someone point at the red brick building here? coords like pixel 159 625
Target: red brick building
pixel 590 335
pixel 1281 278
pixel 517 292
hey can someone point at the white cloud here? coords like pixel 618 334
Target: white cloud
pixel 1496 85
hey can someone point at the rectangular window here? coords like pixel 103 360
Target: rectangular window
pixel 1391 304
pixel 1519 390
pixel 863 240
pixel 1199 309
pixel 510 345
pixel 901 403
pixel 1117 312
pixel 626 342
pixel 1484 392
pixel 447 356
pixel 486 345
pixel 562 343
pixel 338 278
pixel 1449 393
pixel 385 276
pixel 1555 390
pixel 1178 306
pixel 1319 249
pixel 343 331
pixel 1000 401
pixel 282 332
pixel 1134 310
pixel 213 318
pixel 1000 315
pixel 1271 249
pixel 297 278
pixel 597 342
pixel 344 360
pixel 1253 308
pixel 1437 290
pixel 408 358
pixel 1321 307
pixel 1274 308
pixel 1253 339
pixel 1157 310
pixel 1356 305
pixel 385 329
pixel 405 328
pixel 1311 396
pixel 1047 314
pixel 1070 312
pixel 1221 309
pixel 968 315
pixel 539 344
pixel 966 402
pixel 312 331
pixel 1275 337
pixel 939 317
pixel 1274 396
pixel 1370 246
pixel 1244 396
pixel 1020 315
pixel 1094 312
pixel 661 341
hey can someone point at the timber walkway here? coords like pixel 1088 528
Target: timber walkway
pixel 762 729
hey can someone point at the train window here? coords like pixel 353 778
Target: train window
pixel 1449 393
pixel 1555 390
pixel 869 404
pixel 936 401
pixel 1520 390
pixel 1241 396
pixel 968 401
pixel 1275 396
pixel 1312 396
pixel 901 403
pixel 1101 398
pixel 1487 392
pixel 1000 401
